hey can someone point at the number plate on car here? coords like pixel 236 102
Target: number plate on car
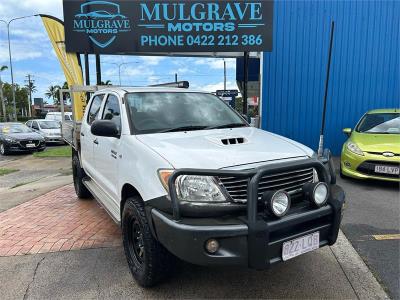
pixel 30 145
pixel 387 170
pixel 300 246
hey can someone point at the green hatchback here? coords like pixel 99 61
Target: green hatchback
pixel 372 150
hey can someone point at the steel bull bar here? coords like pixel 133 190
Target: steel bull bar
pixel 259 242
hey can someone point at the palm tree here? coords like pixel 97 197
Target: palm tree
pixel 31 87
pixel 53 93
pixel 108 82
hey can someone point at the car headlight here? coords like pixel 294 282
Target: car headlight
pixel 352 147
pixel 194 188
pixel 10 140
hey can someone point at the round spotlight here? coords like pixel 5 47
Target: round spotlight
pixel 321 193
pixel 317 192
pixel 277 202
pixel 212 246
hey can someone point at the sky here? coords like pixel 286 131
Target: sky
pixel 33 54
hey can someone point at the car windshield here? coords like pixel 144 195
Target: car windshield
pixel 179 111
pixel 49 125
pixel 15 128
pixel 382 123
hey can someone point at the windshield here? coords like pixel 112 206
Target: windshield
pixel 49 124
pixel 384 123
pixel 162 112
pixel 15 128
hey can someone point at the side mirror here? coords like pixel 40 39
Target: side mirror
pixel 105 128
pixel 347 131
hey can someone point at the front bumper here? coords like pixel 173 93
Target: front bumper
pixel 18 147
pixel 54 139
pixel 361 167
pixel 253 239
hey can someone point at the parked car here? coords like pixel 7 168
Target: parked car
pixel 17 137
pixel 56 116
pixel 50 130
pixel 372 150
pixel 186 176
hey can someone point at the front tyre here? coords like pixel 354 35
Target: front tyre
pixel 78 175
pixel 148 260
pixel 3 150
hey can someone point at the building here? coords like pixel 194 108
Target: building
pixel 365 71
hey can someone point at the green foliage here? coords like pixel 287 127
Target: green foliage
pixel 64 151
pixel 4 172
pixel 21 97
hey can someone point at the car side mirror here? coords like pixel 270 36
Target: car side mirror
pixel 347 131
pixel 105 128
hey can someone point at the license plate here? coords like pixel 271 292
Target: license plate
pixel 30 145
pixel 387 170
pixel 300 246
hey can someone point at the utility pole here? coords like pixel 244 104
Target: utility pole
pixel 30 83
pixel 176 77
pixel 3 102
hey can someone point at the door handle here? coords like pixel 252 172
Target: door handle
pixel 96 141
pixel 82 134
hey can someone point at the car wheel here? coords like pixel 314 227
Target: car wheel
pixel 149 262
pixel 78 175
pixel 3 150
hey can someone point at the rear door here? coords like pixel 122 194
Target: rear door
pixel 88 140
pixel 107 150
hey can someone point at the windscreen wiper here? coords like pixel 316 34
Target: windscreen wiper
pixel 232 125
pixel 184 128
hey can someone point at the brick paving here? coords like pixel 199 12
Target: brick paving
pixel 56 221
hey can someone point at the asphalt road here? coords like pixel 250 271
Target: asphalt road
pixel 373 208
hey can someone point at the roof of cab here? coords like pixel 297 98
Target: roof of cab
pixel 123 89
pixel 384 111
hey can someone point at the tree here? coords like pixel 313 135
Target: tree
pixel 108 82
pixel 21 97
pixel 3 102
pixel 53 92
pixel 31 87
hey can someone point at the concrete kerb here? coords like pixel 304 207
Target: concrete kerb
pixel 357 272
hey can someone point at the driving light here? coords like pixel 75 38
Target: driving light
pixel 10 140
pixel 352 147
pixel 193 188
pixel 212 246
pixel 278 202
pixel 317 193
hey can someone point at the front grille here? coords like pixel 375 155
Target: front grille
pixel 368 168
pixel 24 143
pixel 291 182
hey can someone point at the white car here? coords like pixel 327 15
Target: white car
pixel 50 130
pixel 187 177
pixel 56 116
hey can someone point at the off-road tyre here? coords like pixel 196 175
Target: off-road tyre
pixel 78 175
pixel 155 262
pixel 3 149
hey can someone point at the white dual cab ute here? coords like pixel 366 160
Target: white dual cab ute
pixel 187 177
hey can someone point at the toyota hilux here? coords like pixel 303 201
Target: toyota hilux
pixel 186 177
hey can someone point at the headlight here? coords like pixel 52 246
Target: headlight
pixel 193 188
pixel 10 140
pixel 278 202
pixel 317 193
pixel 352 147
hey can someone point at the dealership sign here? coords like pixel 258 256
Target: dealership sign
pixel 131 26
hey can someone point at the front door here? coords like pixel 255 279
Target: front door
pixel 88 140
pixel 108 148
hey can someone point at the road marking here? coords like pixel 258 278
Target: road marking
pixel 382 237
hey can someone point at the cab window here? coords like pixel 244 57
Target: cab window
pixel 94 109
pixel 35 125
pixel 112 111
